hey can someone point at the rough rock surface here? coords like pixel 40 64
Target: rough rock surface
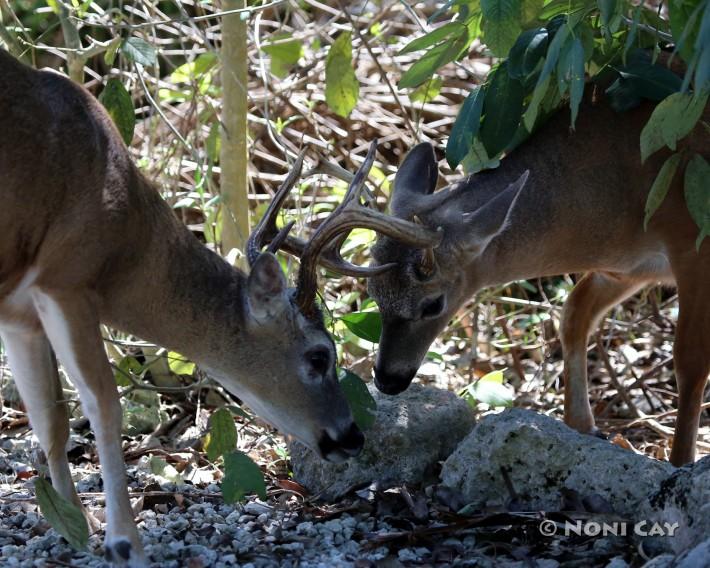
pixel 543 458
pixel 683 498
pixel 413 431
pixel 698 557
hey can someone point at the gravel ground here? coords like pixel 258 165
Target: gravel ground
pixel 254 535
pixel 188 525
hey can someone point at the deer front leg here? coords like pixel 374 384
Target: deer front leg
pixel 35 373
pixel 691 354
pixel 72 325
pixel 593 295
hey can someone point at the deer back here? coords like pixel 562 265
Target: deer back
pixel 564 201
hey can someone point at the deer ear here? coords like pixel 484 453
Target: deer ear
pixel 266 288
pixel 415 179
pixel 480 227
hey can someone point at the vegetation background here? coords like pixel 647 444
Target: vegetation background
pixel 331 77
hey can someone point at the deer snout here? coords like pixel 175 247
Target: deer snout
pixel 393 383
pixel 340 446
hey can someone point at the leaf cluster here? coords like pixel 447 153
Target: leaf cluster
pixel 548 48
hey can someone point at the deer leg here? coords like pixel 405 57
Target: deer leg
pixel 691 354
pixel 593 295
pixel 72 325
pixel 35 373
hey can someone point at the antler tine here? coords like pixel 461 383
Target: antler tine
pixel 347 216
pixel 266 228
pixel 357 185
pixel 280 238
pixel 331 259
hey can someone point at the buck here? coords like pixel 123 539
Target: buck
pixel 560 203
pixel 88 240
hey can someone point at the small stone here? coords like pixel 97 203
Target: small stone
pixel 256 508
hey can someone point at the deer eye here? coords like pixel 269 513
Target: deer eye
pixel 432 307
pixel 319 360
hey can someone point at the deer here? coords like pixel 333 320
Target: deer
pixel 88 240
pixel 561 202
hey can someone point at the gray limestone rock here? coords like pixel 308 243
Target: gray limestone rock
pixel 683 498
pixel 544 458
pixel 413 431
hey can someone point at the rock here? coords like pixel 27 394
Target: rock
pixel 413 431
pixel 682 498
pixel 697 557
pixel 545 458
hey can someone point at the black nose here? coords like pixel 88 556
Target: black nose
pixel 346 445
pixel 392 383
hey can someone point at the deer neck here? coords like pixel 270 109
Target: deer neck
pixel 554 230
pixel 175 292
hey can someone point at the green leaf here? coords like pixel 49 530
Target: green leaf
pixel 607 8
pixel 501 24
pixel 141 412
pixel 623 95
pixel 366 325
pixel 341 86
pixel 119 105
pixel 139 51
pixel 160 467
pixel 127 367
pixel 179 364
pixel 490 390
pixel 426 91
pixel 697 195
pixel 684 28
pixel 222 437
pixel 501 109
pixel 433 59
pixel 188 72
pixel 611 17
pixel 672 119
pixel 660 186
pixel 477 159
pixel 570 72
pixel 653 82
pixel 465 128
pixel 702 73
pixel 527 52
pixel 362 405
pixel 631 35
pixel 241 476
pixel 434 37
pixel 213 144
pixel 543 80
pixel 64 517
pixel 284 53
pixel 112 50
pixel 529 11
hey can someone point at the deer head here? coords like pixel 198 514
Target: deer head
pixel 427 286
pixel 300 394
pixel 324 246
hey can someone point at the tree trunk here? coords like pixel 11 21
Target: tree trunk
pixel 72 41
pixel 233 155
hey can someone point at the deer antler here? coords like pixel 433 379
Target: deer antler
pixel 266 231
pixel 350 214
pixel 324 246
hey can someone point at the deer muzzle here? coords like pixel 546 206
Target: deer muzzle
pixel 338 447
pixel 392 383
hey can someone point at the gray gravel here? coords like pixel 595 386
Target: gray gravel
pixel 203 534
